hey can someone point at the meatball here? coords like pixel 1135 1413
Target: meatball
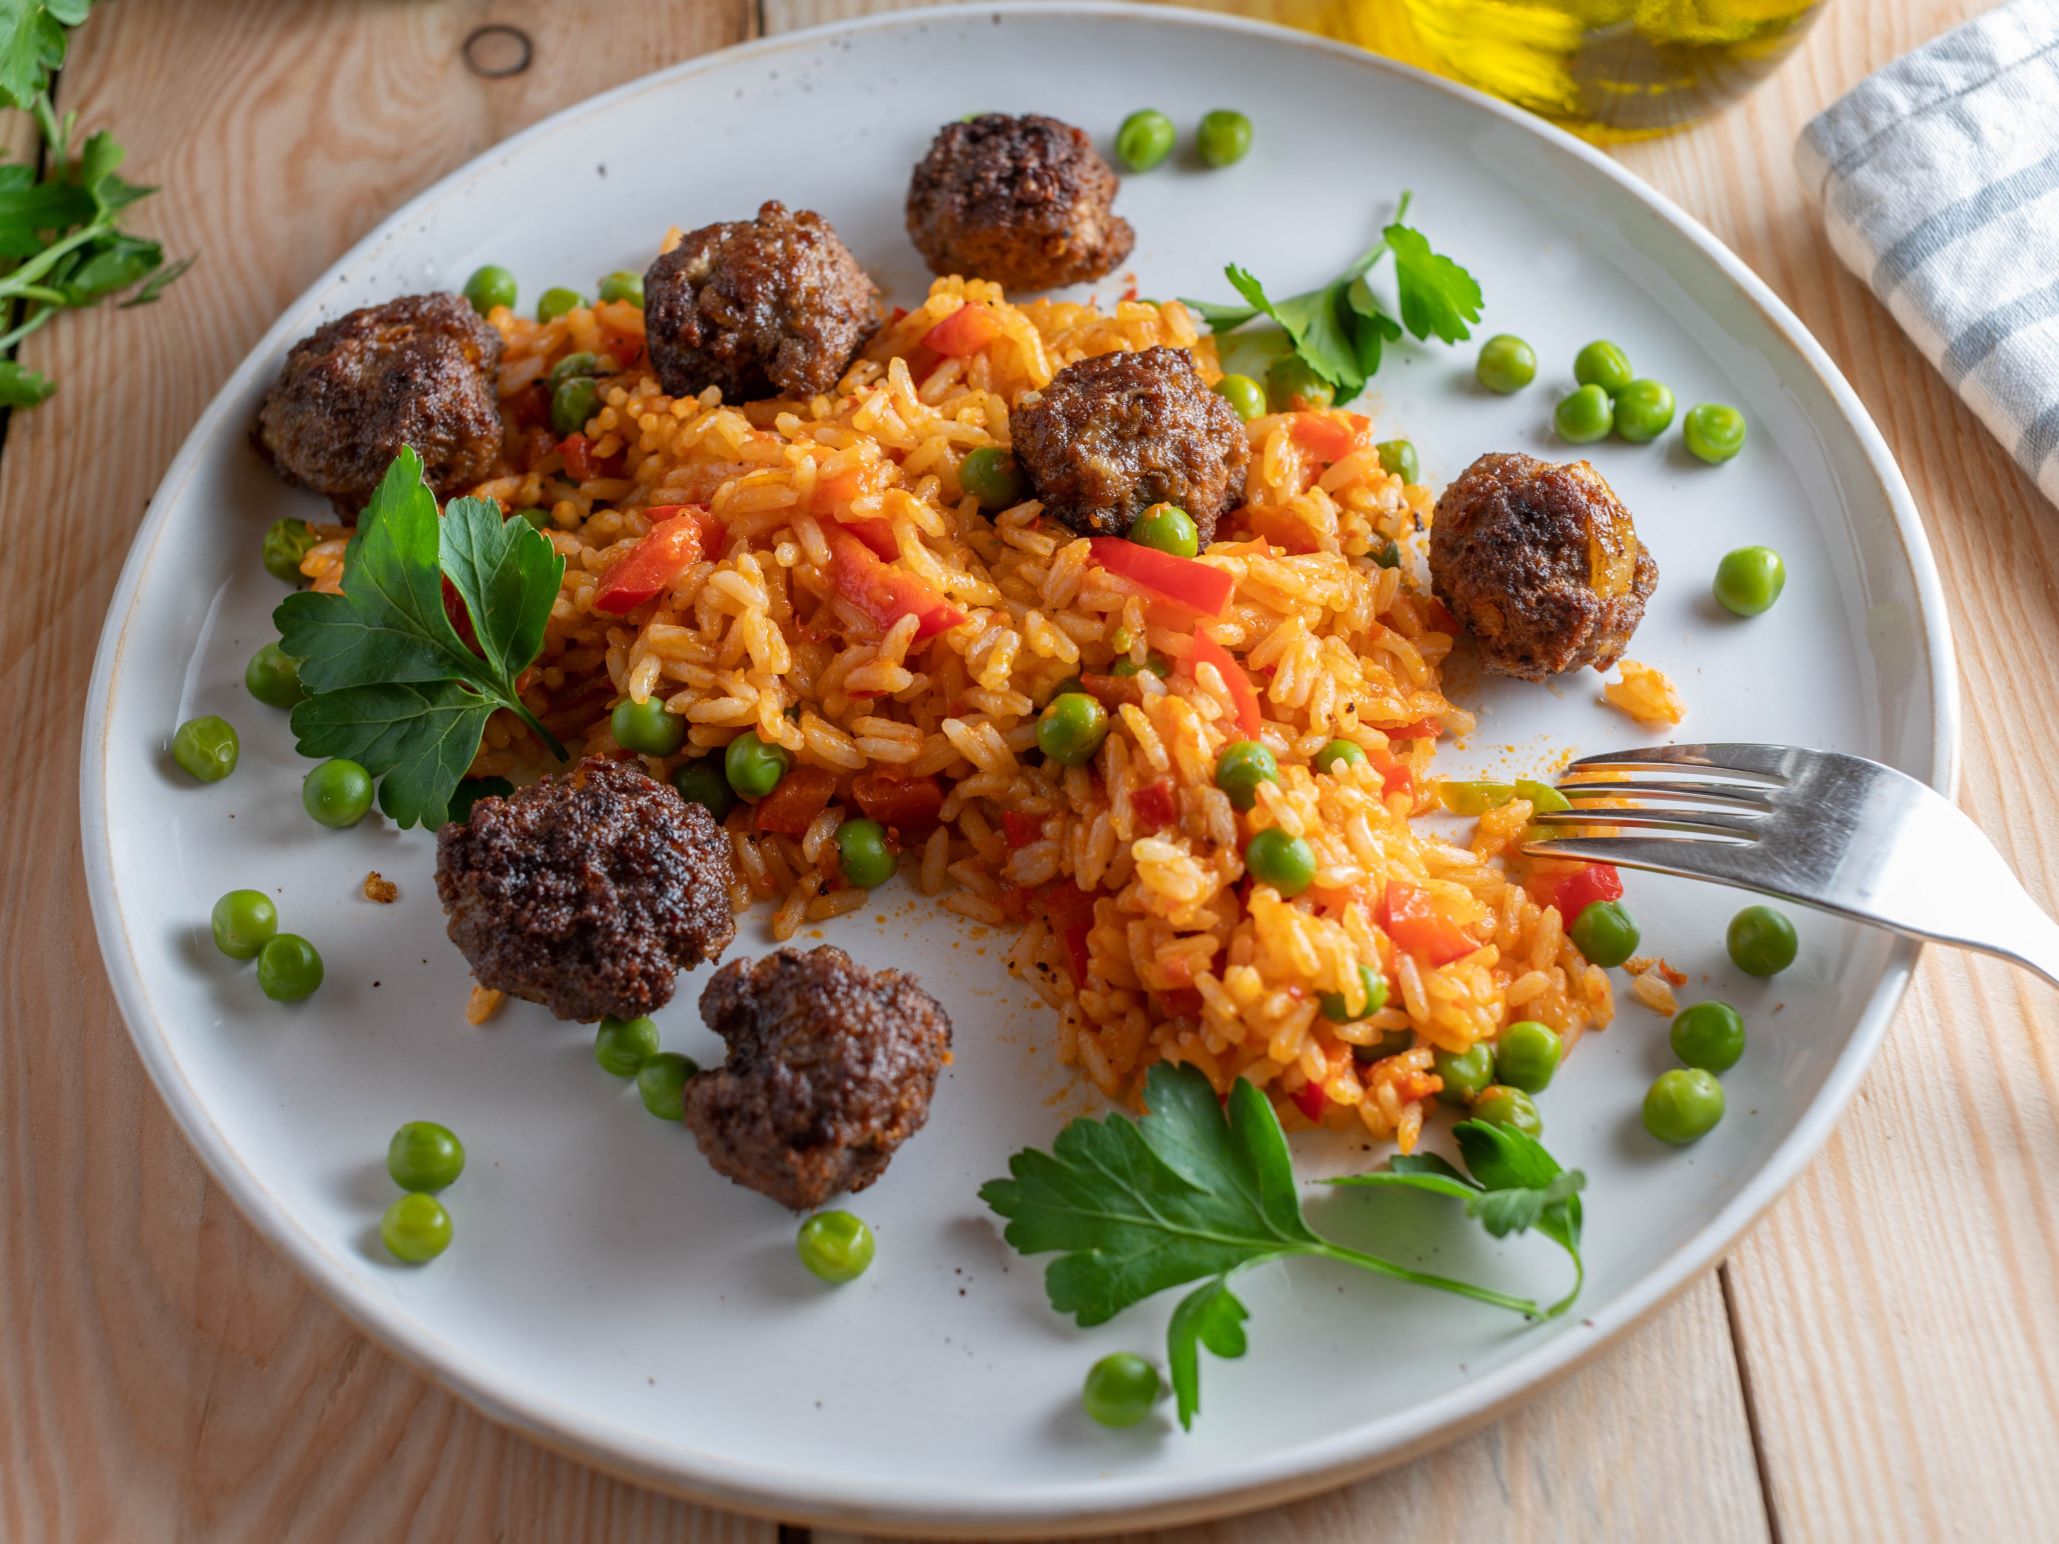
pixel 416 371
pixel 588 891
pixel 1022 201
pixel 1541 563
pixel 1116 433
pixel 770 307
pixel 831 1067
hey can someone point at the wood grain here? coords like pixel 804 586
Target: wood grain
pixel 1883 1350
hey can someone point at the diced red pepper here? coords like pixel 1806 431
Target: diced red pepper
pixel 1410 917
pixel 884 592
pixel 1206 651
pixel 876 534
pixel 1577 892
pixel 1395 777
pixel 1324 435
pixel 669 548
pixel 576 451
pixel 1071 911
pixel 1020 827
pixel 965 331
pixel 1155 805
pixel 906 803
pixel 1311 1099
pixel 791 807
pixel 899 313
pixel 460 618
pixel 1186 581
pixel 841 487
pixel 1422 729
pixel 1182 1002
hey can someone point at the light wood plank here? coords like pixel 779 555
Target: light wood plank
pixel 162 1373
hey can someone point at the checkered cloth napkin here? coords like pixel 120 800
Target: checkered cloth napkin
pixel 1938 180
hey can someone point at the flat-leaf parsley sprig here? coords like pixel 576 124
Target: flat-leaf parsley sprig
pixel 1341 330
pixel 393 684
pixel 1195 1191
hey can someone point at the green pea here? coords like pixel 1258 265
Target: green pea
pixel 288 968
pixel 416 1228
pixel 661 1083
pixel 206 748
pixel 1223 137
pixel 1644 411
pixel 1500 1105
pixel 1466 1073
pixel 1287 863
pixel 863 853
pixel 286 543
pixel 273 677
pixel 424 1156
pixel 1683 1105
pixel 1072 728
pixel 701 782
pixel 1714 432
pixel 337 793
pixel 621 1046
pixel 1372 997
pixel 570 368
pixel 1398 459
pixel 1292 382
pixel 1602 364
pixel 623 285
pixel 573 403
pixel 1120 1390
pixel 1584 417
pixel 556 301
pixel 471 790
pixel 1527 1055
pixel 835 1246
pixel 490 286
pixel 1605 934
pixel 1749 580
pixel 1245 396
pixel 1507 364
pixel 647 727
pixel 1709 1036
pixel 1157 664
pixel 1541 797
pixel 1241 767
pixel 1762 941
pixel 1393 1043
pixel 1339 753
pixel 1145 139
pixel 535 518
pixel 753 767
pixel 243 921
pixel 1474 798
pixel 1167 528
pixel 990 475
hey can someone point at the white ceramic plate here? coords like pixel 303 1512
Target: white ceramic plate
pixel 607 1292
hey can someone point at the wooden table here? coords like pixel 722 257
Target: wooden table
pixel 1878 1359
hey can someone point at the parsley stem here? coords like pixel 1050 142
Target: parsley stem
pixel 1522 1305
pixel 550 740
pixel 22 281
pixel 36 319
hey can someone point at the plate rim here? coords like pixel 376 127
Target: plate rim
pixel 1161 1499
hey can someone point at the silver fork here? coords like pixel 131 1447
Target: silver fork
pixel 1829 830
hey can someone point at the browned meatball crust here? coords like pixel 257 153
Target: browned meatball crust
pixel 416 371
pixel 831 1067
pixel 1022 201
pixel 587 892
pixel 1541 563
pixel 1116 433
pixel 770 307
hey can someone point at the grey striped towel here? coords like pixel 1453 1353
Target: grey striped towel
pixel 1938 179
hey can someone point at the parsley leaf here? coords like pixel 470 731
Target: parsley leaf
pixel 32 44
pixel 393 685
pixel 23 387
pixel 1437 296
pixel 1195 1191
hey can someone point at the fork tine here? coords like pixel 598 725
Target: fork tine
pixel 1702 822
pixel 1768 761
pixel 1755 794
pixel 1689 856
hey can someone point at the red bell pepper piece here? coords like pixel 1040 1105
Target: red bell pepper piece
pixel 1325 436
pixel 1155 806
pixel 882 591
pixel 576 451
pixel 669 548
pixel 1242 693
pixel 460 618
pixel 1577 892
pixel 1186 581
pixel 876 534
pixel 1312 1099
pixel 1071 911
pixel 1020 827
pixel 965 331
pixel 906 803
pixel 897 314
pixel 791 807
pixel 1412 920
pixel 1422 729
pixel 1183 1002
